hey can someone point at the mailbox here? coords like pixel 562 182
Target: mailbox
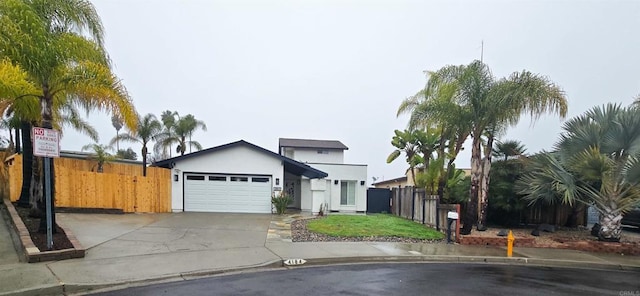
pixel 452 215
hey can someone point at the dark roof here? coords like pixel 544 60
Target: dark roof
pixel 302 143
pixel 290 165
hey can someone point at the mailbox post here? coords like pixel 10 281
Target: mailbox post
pixel 451 216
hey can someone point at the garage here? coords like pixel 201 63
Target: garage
pixel 227 193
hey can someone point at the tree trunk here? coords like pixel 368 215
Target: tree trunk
pixel 144 160
pixel 483 198
pixel 471 215
pixel 27 166
pixel 413 175
pixel 610 223
pixel 18 148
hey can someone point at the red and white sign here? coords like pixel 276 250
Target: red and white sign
pixel 46 142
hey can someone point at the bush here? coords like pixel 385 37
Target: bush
pixel 280 202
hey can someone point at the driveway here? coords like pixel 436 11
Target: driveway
pixel 112 236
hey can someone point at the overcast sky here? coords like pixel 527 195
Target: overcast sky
pixel 260 70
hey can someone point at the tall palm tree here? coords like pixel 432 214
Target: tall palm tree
pixel 595 162
pixel 168 119
pixel 406 142
pixel 59 46
pixel 117 124
pixel 100 154
pixel 180 134
pixel 508 149
pixel 488 105
pixel 148 129
pixel 434 108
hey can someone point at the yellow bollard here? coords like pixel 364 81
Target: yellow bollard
pixel 510 240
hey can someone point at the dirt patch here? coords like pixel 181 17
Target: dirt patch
pixel 563 238
pixel 299 233
pixel 60 240
pixel 555 239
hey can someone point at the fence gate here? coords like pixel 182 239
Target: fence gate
pixel 378 200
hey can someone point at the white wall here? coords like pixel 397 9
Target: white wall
pixel 312 155
pixel 233 160
pixel 305 195
pixel 349 172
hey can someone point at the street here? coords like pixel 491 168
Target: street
pixel 406 279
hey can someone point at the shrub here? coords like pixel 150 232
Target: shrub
pixel 280 202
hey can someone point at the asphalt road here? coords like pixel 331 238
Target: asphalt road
pixel 407 279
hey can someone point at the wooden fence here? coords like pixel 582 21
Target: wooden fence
pixel 556 214
pixel 415 204
pixel 120 186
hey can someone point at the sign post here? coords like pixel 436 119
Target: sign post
pixel 46 143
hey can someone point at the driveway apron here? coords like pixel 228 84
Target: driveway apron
pixel 112 236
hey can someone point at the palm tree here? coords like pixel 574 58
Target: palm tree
pixel 59 46
pixel 180 134
pixel 490 105
pixel 406 142
pixel 168 119
pixel 100 155
pixel 596 162
pixel 435 108
pixel 117 124
pixel 148 129
pixel 508 149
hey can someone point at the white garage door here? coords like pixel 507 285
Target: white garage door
pixel 227 193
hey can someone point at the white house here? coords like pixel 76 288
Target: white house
pixel 242 177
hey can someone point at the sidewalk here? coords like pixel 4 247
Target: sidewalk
pixel 148 263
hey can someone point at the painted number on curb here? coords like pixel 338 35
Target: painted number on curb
pixel 292 262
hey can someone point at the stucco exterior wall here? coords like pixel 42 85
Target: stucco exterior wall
pixel 347 172
pixel 312 155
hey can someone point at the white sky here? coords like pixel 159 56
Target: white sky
pixel 260 70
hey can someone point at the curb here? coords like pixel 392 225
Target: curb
pixel 81 289
pixel 278 264
pixel 523 261
pixel 39 290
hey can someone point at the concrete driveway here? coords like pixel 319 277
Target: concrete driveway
pixel 112 236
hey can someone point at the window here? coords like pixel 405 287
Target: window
pixel 239 179
pixel 195 178
pixel 323 152
pixel 217 178
pixel 261 180
pixel 347 193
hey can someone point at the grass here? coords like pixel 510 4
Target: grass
pixel 377 225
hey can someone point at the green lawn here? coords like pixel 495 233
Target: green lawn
pixel 372 225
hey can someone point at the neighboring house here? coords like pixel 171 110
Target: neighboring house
pixel 404 181
pixel 241 177
pixel 397 182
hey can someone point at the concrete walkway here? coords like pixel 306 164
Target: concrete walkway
pixel 146 248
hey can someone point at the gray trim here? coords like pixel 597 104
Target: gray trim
pixel 326 163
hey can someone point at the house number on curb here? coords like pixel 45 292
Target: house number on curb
pixel 293 262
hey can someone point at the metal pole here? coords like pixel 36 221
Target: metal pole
pixel 47 193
